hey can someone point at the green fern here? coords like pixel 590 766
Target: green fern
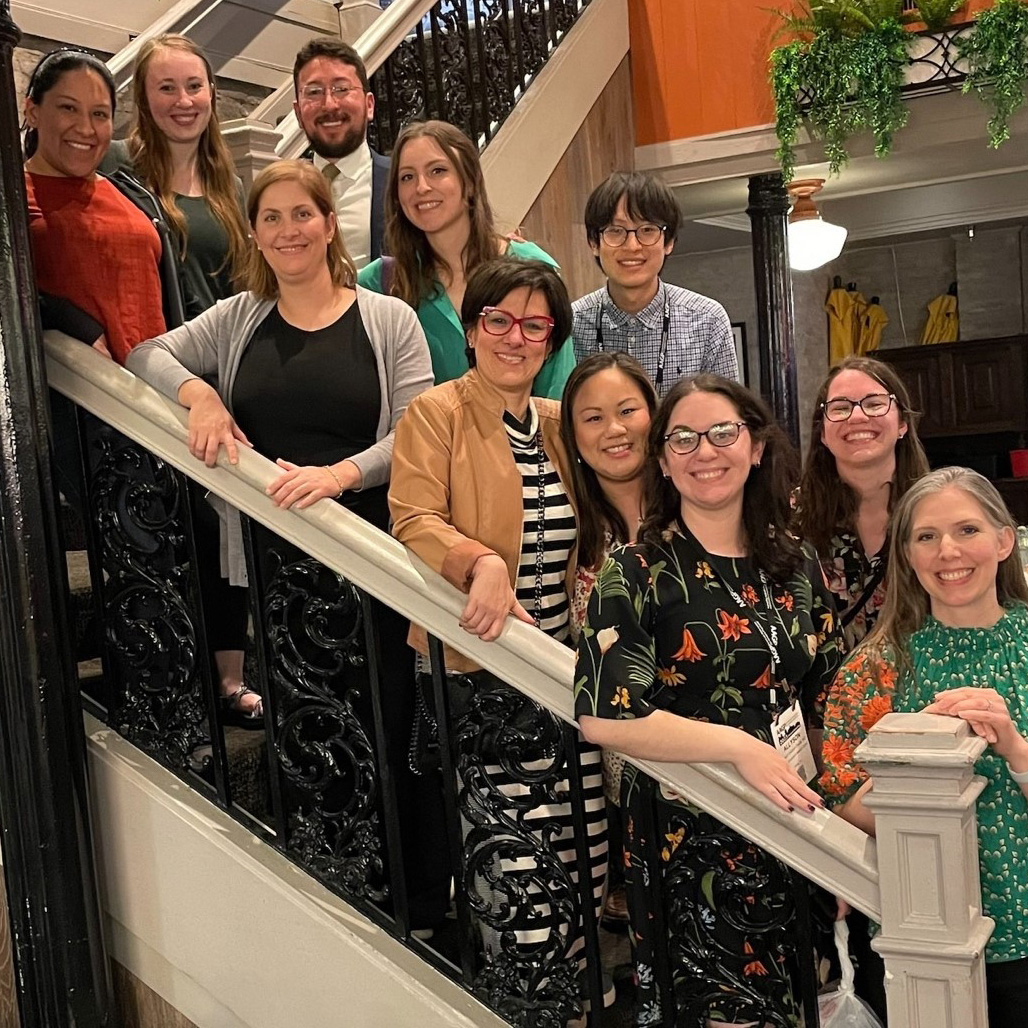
pixel 936 14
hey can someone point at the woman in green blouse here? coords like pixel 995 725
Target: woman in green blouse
pixel 439 229
pixel 952 639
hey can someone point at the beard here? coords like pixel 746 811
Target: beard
pixel 332 149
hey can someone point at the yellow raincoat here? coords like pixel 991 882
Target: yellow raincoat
pixel 943 324
pixel 844 309
pixel 872 324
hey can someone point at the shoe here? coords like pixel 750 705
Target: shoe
pixel 615 910
pixel 234 713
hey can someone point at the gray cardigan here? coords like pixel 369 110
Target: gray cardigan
pixel 214 342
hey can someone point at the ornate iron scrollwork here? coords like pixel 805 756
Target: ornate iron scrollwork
pixel 730 917
pixel 315 636
pixel 468 63
pixel 511 760
pixel 149 622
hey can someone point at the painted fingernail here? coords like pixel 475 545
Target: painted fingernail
pixel 792 810
pixel 811 807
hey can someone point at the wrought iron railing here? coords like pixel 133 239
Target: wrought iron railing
pixel 467 62
pixel 326 780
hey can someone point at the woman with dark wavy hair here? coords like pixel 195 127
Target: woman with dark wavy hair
pixel 711 639
pixel 439 229
pixel 864 454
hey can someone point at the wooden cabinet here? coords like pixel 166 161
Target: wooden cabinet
pixel 974 402
pixel 971 388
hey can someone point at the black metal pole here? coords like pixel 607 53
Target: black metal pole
pixel 62 978
pixel 768 210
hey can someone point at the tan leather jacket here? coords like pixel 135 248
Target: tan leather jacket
pixel 455 493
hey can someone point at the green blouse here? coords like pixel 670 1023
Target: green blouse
pixel 446 335
pixel 947 658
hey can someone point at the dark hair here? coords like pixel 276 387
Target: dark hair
pixel 491 281
pixel 596 514
pixel 48 71
pixel 336 50
pixel 415 260
pixel 646 199
pixel 827 504
pixel 766 502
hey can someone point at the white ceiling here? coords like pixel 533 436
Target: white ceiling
pixel 941 173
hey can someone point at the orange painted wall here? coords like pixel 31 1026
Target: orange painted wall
pixel 700 66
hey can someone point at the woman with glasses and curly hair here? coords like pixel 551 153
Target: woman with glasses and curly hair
pixel 711 639
pixel 864 454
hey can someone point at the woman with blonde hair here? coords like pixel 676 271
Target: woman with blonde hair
pixel 951 640
pixel 439 229
pixel 176 150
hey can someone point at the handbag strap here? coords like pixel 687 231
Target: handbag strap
pixel 847 616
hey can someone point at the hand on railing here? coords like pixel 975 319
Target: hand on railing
pixel 490 599
pixel 100 345
pixel 764 768
pixel 306 484
pixel 210 424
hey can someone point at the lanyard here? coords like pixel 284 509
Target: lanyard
pixel 540 544
pixel 665 335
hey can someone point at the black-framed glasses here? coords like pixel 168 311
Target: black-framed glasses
pixel 646 235
pixel 874 405
pixel 315 94
pixel 536 328
pixel 685 440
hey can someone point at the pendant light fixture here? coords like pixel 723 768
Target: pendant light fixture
pixel 812 240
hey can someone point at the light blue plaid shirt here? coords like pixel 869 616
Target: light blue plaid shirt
pixel 699 339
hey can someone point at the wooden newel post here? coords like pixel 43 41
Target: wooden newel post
pixel 933 932
pixel 252 145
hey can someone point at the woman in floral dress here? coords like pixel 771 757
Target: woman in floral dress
pixel 953 639
pixel 864 454
pixel 701 640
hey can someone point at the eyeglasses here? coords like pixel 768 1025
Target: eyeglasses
pixel 685 440
pixel 874 405
pixel 536 328
pixel 646 235
pixel 316 94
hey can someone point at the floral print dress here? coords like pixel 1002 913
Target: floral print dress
pixel 662 632
pixel 947 658
pixel 849 572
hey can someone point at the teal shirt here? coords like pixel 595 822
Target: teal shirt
pixel 445 333
pixel 946 658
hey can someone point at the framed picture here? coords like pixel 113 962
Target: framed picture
pixel 739 334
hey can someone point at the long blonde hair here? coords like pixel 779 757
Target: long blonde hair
pixel 151 155
pixel 256 274
pixel 416 261
pixel 906 601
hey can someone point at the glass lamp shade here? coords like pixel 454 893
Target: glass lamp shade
pixel 814 242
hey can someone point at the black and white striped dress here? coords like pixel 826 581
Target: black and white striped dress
pixel 545 597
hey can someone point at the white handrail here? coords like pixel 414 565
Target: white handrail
pixel 374 45
pixel 181 17
pixel 821 846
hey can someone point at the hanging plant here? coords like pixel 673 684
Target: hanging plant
pixel 997 63
pixel 850 63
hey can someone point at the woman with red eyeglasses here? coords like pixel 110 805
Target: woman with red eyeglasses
pixel 481 491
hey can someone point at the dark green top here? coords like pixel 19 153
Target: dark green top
pixel 947 658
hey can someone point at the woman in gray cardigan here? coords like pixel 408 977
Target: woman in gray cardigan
pixel 314 372
pixel 309 368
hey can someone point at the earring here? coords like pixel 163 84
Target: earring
pixel 756 463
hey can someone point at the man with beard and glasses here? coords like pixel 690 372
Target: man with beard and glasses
pixel 333 106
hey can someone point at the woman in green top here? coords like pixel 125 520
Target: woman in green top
pixel 952 638
pixel 439 229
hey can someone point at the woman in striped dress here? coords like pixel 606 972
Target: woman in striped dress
pixel 480 492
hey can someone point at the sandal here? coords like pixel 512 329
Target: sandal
pixel 234 713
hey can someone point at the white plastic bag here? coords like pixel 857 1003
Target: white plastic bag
pixel 840 1007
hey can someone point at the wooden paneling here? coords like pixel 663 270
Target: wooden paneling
pixel 9 1015
pixel 603 144
pixel 141 1007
